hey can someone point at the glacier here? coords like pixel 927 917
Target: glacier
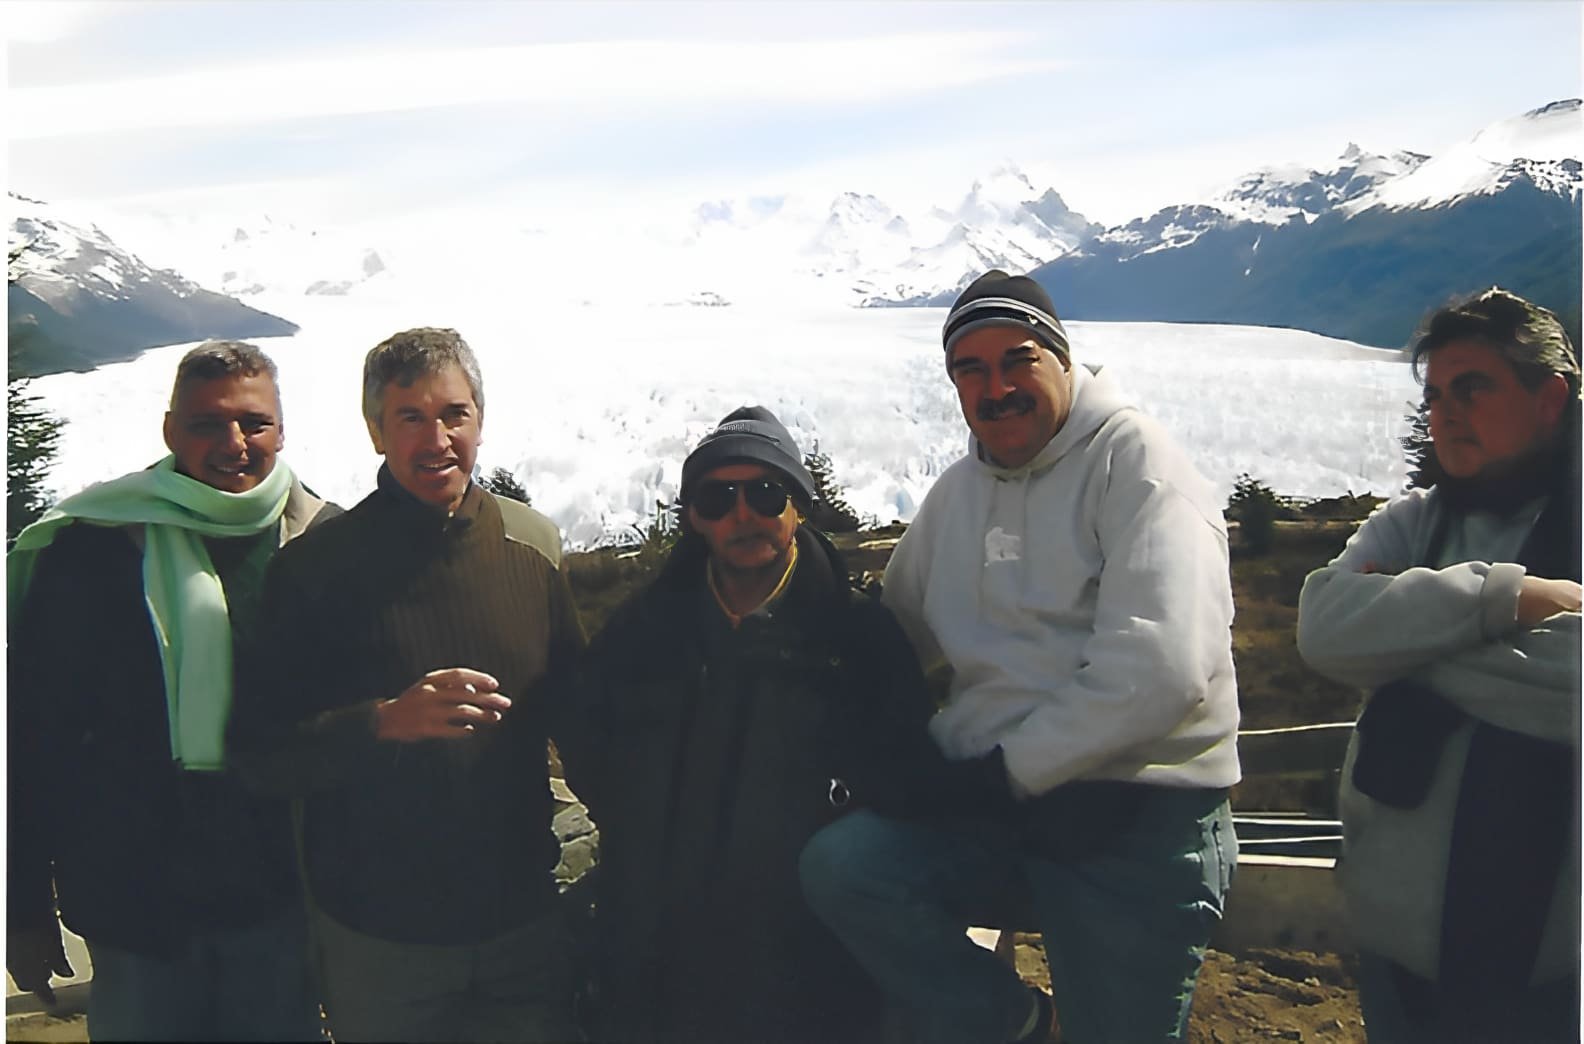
pixel 593 408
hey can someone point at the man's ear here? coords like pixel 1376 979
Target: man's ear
pixel 1552 400
pixel 374 436
pixel 167 429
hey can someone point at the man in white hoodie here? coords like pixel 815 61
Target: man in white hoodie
pixel 1071 572
pixel 1458 605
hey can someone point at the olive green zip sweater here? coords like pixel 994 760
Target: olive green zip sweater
pixel 440 841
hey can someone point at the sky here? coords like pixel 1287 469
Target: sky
pixel 373 110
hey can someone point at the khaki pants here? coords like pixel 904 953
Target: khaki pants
pixel 517 987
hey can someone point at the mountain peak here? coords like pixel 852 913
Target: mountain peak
pixel 1004 185
pixel 1566 105
pixel 1545 142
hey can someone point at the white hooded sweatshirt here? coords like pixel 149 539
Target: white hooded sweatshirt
pixel 1083 602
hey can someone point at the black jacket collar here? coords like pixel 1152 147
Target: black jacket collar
pixel 820 576
pixel 426 518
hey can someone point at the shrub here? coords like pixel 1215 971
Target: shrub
pixel 1255 507
pixel 654 539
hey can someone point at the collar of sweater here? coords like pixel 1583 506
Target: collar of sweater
pixel 820 577
pixel 420 517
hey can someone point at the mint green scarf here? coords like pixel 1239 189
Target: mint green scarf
pixel 180 585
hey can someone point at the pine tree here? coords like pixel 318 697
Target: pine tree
pixel 830 511
pixel 1418 450
pixel 503 483
pixel 1256 507
pixel 32 439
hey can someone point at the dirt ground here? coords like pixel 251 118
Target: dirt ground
pixel 1260 995
pixel 1275 994
pixel 1263 994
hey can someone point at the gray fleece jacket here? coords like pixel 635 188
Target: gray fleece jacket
pixel 1453 628
pixel 1083 602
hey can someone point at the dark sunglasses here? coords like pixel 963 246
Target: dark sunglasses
pixel 714 499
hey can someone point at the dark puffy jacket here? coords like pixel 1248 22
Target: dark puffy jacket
pixel 708 757
pixel 141 853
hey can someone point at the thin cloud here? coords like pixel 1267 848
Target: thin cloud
pixel 48 21
pixel 580 77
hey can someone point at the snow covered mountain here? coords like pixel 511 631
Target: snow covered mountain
pixel 851 249
pixel 1542 148
pixel 859 249
pixel 1360 251
pixel 1270 196
pixel 80 300
pixel 1003 222
pixel 1356 249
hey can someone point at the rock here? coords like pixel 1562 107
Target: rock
pixel 571 822
pixel 578 856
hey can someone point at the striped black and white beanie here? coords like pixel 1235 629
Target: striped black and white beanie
pixel 998 299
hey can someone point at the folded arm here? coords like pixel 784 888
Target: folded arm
pixel 1498 643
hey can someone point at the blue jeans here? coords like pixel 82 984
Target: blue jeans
pixel 244 984
pixel 1125 882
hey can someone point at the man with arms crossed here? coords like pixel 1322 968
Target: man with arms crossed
pixel 407 635
pixel 129 603
pixel 1071 571
pixel 1459 605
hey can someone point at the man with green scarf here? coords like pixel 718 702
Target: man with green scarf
pixel 132 606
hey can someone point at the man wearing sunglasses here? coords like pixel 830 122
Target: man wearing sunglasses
pixel 745 699
pixel 1071 573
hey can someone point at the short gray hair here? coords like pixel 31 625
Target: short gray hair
pixel 213 360
pixel 1529 337
pixel 420 352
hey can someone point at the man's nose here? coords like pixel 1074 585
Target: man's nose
pixel 235 438
pixel 1444 411
pixel 435 434
pixel 997 385
pixel 740 508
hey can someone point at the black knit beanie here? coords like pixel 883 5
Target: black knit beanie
pixel 749 434
pixel 998 299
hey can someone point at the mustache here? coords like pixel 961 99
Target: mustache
pixel 751 536
pixel 1014 403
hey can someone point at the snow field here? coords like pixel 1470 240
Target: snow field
pixel 593 409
